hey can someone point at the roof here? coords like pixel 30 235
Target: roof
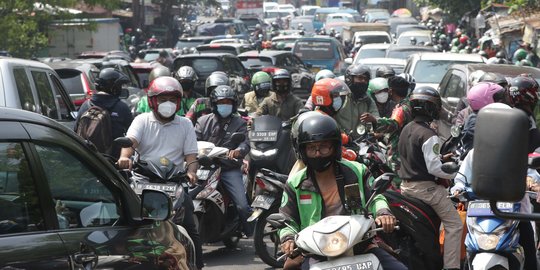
pixel 203 55
pixel 375 46
pixel 508 70
pixel 223 45
pixel 73 64
pixel 371 33
pixel 267 53
pixel 19 115
pixel 416 33
pixel 395 47
pixel 145 65
pixel 449 56
pixel 18 61
pixel 383 61
pixel 197 38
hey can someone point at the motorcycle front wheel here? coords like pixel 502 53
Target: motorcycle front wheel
pixel 266 240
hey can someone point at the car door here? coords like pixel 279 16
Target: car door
pixel 451 91
pixel 25 218
pixel 91 211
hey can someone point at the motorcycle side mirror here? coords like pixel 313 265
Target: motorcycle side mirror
pixel 123 142
pixel 382 183
pixel 455 131
pixel 361 129
pixel 204 161
pixel 451 167
pixel 534 160
pixel 242 112
pixel 124 93
pixel 237 138
pixel 352 197
pixel 277 220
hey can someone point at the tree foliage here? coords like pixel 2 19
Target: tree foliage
pixel 454 8
pixel 24 24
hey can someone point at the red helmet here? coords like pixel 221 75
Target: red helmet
pixel 523 92
pixel 325 90
pixel 164 86
pixel 463 39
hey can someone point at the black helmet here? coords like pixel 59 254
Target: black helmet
pixel 223 92
pixel 385 72
pixel 317 128
pixel 425 101
pixel 355 70
pixel 500 54
pixel 111 81
pixel 215 79
pixel 157 72
pixel 494 78
pixel 187 77
pixel 524 92
pixel 282 74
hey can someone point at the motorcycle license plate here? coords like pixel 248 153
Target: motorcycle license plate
pixel 203 174
pixel 263 201
pixel 161 187
pixel 263 136
pixel 482 208
pixel 366 261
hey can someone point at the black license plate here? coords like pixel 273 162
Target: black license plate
pixel 161 187
pixel 263 201
pixel 263 136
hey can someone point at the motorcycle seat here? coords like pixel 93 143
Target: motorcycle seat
pixel 394 196
pixel 278 176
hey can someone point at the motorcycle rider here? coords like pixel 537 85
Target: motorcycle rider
pixel 283 104
pixel 261 83
pixel 158 71
pixel 202 105
pixel 187 77
pixel 161 133
pixel 329 95
pixel 320 185
pixel 421 173
pixel 322 74
pixel 109 84
pixel 524 96
pixel 358 107
pixel 379 91
pixel 218 128
pixel 385 72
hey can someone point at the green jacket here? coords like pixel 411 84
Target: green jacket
pixel 143 106
pixel 349 115
pixel 303 203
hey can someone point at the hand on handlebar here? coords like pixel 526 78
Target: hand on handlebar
pixel 287 247
pixel 387 222
pixel 234 154
pixel 124 163
pixel 192 177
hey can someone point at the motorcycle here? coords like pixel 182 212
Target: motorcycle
pixel 215 213
pixel 266 203
pixel 271 148
pixel 371 152
pixel 335 237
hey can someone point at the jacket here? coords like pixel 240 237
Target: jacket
pixel 251 102
pixel 285 109
pixel 348 117
pixel 219 131
pixel 303 203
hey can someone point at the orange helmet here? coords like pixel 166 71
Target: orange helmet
pixel 329 95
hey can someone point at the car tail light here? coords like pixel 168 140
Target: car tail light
pixel 247 79
pixel 270 70
pixel 337 67
pixel 87 87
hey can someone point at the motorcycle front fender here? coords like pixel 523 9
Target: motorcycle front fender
pixel 485 261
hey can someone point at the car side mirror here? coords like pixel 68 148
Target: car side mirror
pixel 348 61
pixel 156 205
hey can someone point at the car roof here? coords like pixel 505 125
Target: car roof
pixel 371 33
pixel 448 56
pixel 74 64
pixel 265 53
pixel 144 65
pixel 508 70
pixel 18 61
pixel 223 45
pixel 416 33
pixel 375 46
pixel 395 47
pixel 204 55
pixel 383 61
pixel 197 38
pixel 18 115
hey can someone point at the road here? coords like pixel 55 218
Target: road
pixel 216 256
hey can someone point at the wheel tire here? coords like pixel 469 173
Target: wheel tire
pixel 261 248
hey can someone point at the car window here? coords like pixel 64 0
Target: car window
pixel 47 97
pixel 203 66
pixel 63 107
pixel 235 66
pixel 313 49
pixel 287 61
pixel 19 202
pixel 455 87
pixel 297 62
pixel 81 198
pixel 430 71
pixel 24 90
pixel 249 62
pixel 73 81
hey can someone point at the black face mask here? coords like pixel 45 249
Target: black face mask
pixel 320 164
pixel 359 90
pixel 282 89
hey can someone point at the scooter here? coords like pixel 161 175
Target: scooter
pixel 215 212
pixel 334 237
pixel 271 148
pixel 266 239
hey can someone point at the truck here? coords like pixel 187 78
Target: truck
pixel 249 7
pixel 68 38
pixel 350 28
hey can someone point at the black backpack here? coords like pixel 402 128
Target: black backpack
pixel 95 126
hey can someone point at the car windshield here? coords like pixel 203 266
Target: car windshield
pixel 72 81
pixel 372 39
pixel 371 53
pixel 217 29
pixel 187 44
pixel 220 49
pixel 250 62
pixel 400 54
pixel 432 71
pixel 151 56
pixel 314 50
pixel 251 23
pixel 203 66
pixel 274 14
pixel 406 40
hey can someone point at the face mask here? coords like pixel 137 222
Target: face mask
pixel 359 90
pixel 320 164
pixel 337 102
pixel 224 110
pixel 381 97
pixel 167 109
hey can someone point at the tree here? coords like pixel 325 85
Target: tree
pixel 454 8
pixel 24 23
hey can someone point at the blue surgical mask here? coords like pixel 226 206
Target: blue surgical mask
pixel 224 110
pixel 337 102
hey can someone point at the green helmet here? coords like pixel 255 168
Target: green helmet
pixel 520 54
pixel 261 83
pixel 455 42
pixel 377 84
pixel 280 45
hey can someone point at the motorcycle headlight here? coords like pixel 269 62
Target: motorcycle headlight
pixel 259 153
pixel 333 244
pixel 487 241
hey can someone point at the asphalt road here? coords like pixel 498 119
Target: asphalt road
pixel 216 256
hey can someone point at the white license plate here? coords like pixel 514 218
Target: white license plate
pixel 263 201
pixel 162 187
pixel 263 136
pixel 203 174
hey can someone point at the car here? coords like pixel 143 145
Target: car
pixel 457 81
pixel 402 28
pixel 368 37
pixel 231 48
pixel 251 21
pixel 204 64
pixel 429 68
pixel 321 13
pixel 192 42
pixel 286 7
pixel 289 41
pixel 403 51
pixel 65 206
pixel 393 22
pixel 381 17
pixel 153 54
pixel 421 36
pixel 224 28
pixel 36 87
pixel 321 52
pixel 306 10
pixel 229 40
pixel 306 21
pixel 143 71
pixel 79 78
pixel 270 60
pixel 373 50
pixel 374 63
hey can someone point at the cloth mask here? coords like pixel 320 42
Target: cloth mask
pixel 320 164
pixel 167 109
pixel 359 90
pixel 337 102
pixel 224 110
pixel 381 97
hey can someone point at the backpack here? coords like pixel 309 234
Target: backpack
pixel 95 126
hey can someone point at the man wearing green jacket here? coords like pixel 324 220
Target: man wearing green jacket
pixel 317 191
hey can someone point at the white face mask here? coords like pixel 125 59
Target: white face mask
pixel 167 109
pixel 381 97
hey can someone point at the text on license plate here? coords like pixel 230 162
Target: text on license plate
pixel 354 266
pixel 263 201
pixel 263 136
pixel 166 188
pixel 203 174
